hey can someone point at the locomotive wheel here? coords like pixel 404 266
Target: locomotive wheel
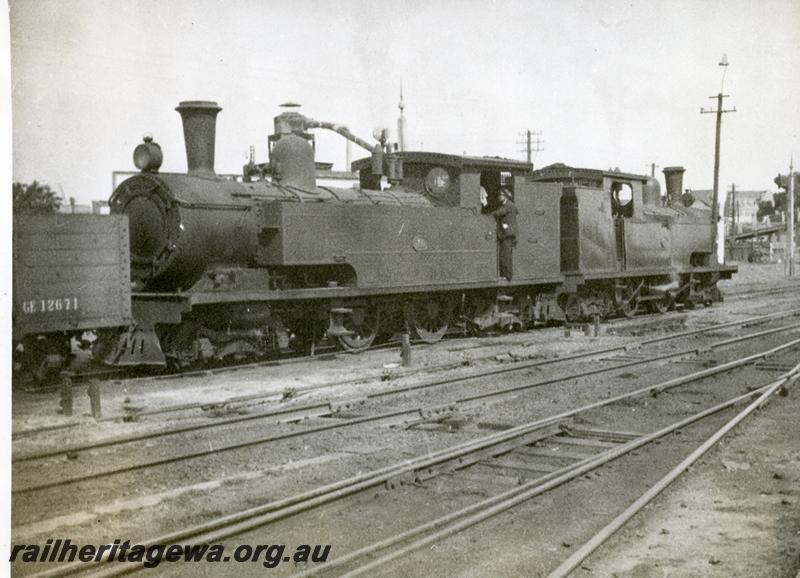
pixel 430 319
pixel 364 323
pixel 662 305
pixel 180 345
pixel 41 359
pixel 571 307
pixel 479 318
pixel 629 307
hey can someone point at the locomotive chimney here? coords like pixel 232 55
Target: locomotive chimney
pixel 199 133
pixel 674 178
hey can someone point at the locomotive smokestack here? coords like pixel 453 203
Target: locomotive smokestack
pixel 674 178
pixel 199 133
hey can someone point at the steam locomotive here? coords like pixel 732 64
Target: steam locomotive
pixel 272 261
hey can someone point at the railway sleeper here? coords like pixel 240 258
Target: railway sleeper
pixel 626 357
pixel 490 478
pixel 450 423
pixel 347 405
pixel 600 434
pixel 514 463
pixel 508 462
pixel 435 416
pixel 551 454
pixel 421 475
pixel 551 449
pixel 774 366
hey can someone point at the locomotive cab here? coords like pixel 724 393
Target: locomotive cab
pixel 630 230
pixel 448 180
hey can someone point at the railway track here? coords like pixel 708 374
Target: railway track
pixel 558 429
pixel 402 416
pixel 443 527
pixel 748 294
pixel 607 531
pixel 422 416
pixel 325 408
pixel 624 359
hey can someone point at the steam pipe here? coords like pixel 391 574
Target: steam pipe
pixel 340 129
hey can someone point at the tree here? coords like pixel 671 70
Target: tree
pixel 34 199
pixel 783 182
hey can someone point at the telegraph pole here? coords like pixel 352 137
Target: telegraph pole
pixel 733 210
pixel 790 223
pixel 529 145
pixel 719 112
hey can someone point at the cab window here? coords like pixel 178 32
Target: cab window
pixel 621 200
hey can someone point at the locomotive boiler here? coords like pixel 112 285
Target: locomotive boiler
pixel 270 261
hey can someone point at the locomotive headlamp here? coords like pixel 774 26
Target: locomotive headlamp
pixel 147 156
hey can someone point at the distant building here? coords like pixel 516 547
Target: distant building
pixel 744 207
pixel 95 208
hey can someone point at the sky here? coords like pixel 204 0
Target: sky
pixel 609 84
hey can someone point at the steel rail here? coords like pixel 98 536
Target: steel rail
pixel 321 409
pixel 258 516
pixel 696 351
pixel 511 367
pixel 761 292
pixel 604 534
pixel 484 373
pixel 214 450
pixel 465 401
pixel 481 511
pixel 288 413
pixel 134 415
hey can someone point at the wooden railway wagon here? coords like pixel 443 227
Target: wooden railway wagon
pixel 71 274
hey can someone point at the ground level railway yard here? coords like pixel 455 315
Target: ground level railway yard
pixel 503 473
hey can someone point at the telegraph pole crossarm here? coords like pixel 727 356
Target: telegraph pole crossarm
pixel 530 146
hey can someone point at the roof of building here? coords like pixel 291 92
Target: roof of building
pixel 704 195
